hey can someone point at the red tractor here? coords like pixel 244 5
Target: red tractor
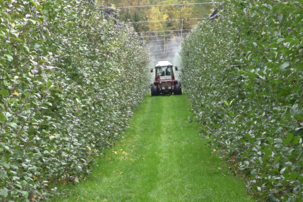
pixel 165 82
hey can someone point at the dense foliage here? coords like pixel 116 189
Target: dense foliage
pixel 243 72
pixel 69 81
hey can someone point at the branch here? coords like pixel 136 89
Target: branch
pixel 298 4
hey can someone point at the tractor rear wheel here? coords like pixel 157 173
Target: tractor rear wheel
pixel 154 90
pixel 178 90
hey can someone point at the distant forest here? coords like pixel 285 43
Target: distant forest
pixel 168 14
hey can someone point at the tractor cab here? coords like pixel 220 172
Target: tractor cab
pixel 164 73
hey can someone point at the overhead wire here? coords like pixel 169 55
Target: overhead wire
pixel 176 35
pixel 156 31
pixel 153 36
pixel 165 35
pixel 159 41
pixel 176 19
pixel 161 5
pixel 158 44
pixel 166 52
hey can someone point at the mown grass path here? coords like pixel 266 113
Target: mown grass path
pixel 160 158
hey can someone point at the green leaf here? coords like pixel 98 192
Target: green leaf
pixel 296 140
pixel 298 117
pixel 12 124
pixel 19 26
pixel 4 192
pixel 34 22
pixel 5 164
pixel 299 132
pixel 6 15
pixel 26 48
pixel 284 66
pixel 231 113
pixel 293 176
pixel 25 194
pixel 294 42
pixel 268 152
pixel 4 92
pixel 288 139
pixel 271 198
pixel 38 7
pixel 48 84
pixel 299 18
pixel 9 57
pixel 31 75
pixel 17 39
pixel 226 103
pixel 2 117
pixel 282 170
pixel 277 159
pixel 298 66
pixel 280 40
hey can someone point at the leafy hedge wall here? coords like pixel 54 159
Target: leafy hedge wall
pixel 243 72
pixel 69 82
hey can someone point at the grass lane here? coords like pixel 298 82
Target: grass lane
pixel 159 158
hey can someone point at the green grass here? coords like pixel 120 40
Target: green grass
pixel 159 158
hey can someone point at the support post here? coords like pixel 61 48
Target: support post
pixel 182 28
